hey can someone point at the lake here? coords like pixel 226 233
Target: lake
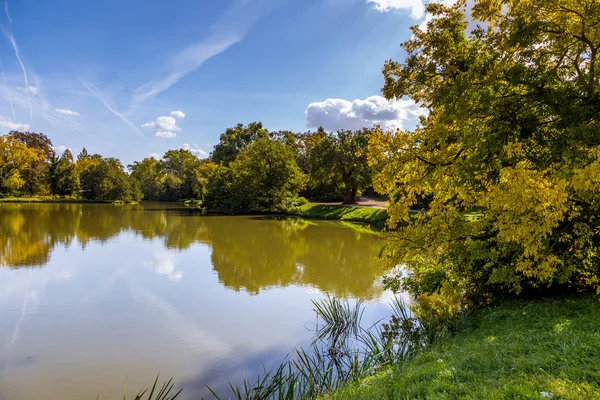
pixel 94 297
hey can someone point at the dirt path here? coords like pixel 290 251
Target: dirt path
pixel 363 202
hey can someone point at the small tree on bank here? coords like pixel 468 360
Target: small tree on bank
pixel 264 177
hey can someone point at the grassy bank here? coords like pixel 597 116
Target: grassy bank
pixel 373 216
pixel 547 349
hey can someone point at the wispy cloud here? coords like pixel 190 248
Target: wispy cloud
pixel 11 39
pixel 20 100
pixel 7 13
pixel 96 93
pixel 230 30
pixel 32 90
pixel 185 62
pixel 13 126
pixel 66 111
pixel 6 88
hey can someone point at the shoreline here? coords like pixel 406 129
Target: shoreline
pixel 374 217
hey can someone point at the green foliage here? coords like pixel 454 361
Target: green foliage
pixel 179 166
pixel 338 161
pixel 508 157
pixel 519 350
pixel 264 177
pixel 64 179
pixel 236 139
pixel 373 216
pixel 150 175
pixel 251 170
pixel 105 179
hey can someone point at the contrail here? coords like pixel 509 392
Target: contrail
pixel 26 79
pixel 96 93
pixel 7 13
pixel 6 87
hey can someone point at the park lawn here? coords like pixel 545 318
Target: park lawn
pixel 375 217
pixel 521 350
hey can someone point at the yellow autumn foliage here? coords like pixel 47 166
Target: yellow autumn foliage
pixel 497 190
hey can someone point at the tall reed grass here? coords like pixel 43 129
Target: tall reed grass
pixel 342 351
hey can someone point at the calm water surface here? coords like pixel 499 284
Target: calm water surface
pixel 94 296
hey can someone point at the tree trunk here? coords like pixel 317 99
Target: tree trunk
pixel 350 196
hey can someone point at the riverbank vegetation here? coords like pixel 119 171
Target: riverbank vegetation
pixel 505 171
pixel 375 217
pixel 504 168
pixel 251 170
pixel 525 350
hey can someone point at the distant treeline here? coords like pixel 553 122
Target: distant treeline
pixel 249 170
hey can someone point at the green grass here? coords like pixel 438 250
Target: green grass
pixel 516 351
pixel 374 216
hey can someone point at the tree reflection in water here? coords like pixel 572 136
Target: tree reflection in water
pixel 248 253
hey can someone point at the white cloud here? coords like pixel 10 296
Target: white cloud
pixel 163 123
pixel 336 114
pixel 66 111
pixel 417 8
pixel 178 114
pixel 32 90
pixel 61 149
pixel 13 126
pixel 198 152
pixel 167 123
pixel 155 156
pixel 165 134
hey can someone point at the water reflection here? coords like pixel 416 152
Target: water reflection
pixel 248 253
pixel 93 294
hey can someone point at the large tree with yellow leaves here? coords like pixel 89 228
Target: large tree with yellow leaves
pixel 508 156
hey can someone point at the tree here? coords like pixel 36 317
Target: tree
pixel 341 161
pixel 16 159
pixel 36 176
pixel 64 179
pixel 105 179
pixel 236 139
pixel 264 177
pixel 201 176
pixel 179 166
pixel 509 153
pixel 150 173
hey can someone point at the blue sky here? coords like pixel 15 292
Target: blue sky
pixel 130 78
